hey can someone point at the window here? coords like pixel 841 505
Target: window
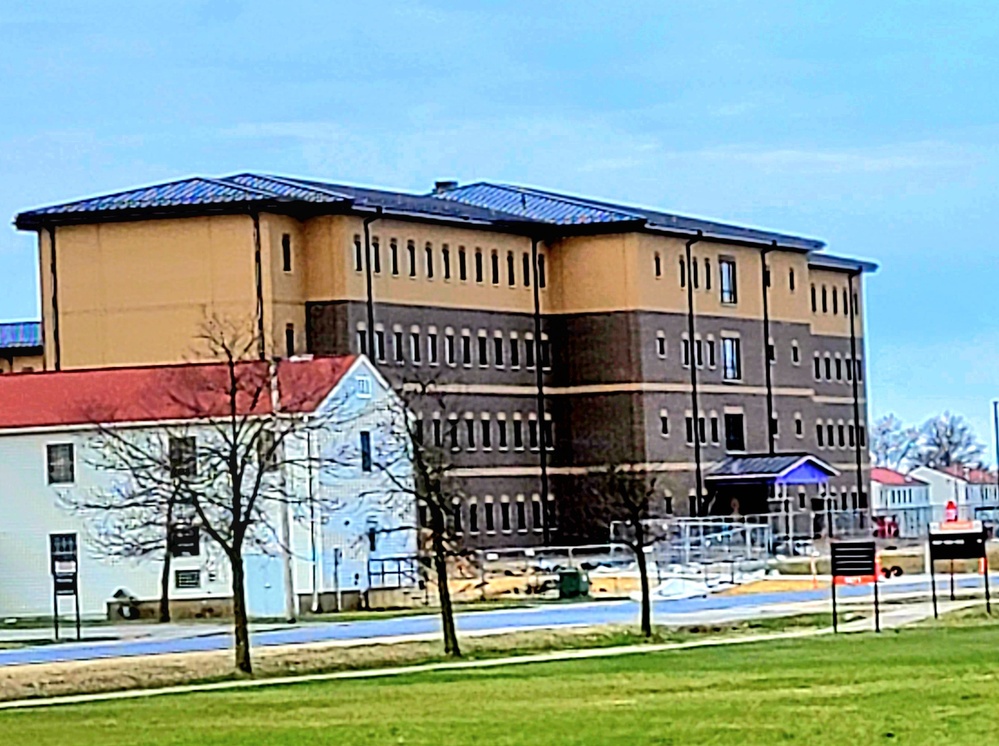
pixel 814 306
pixel 490 518
pixel 547 432
pixel 362 339
pixel 529 351
pixel 505 514
pixel 828 367
pixel 183 454
pixel 365 450
pixel 688 429
pixel 394 256
pixel 657 262
pixel 466 348
pixel 790 279
pixel 511 274
pixel 774 426
pixel 527 270
pixel 518 433
pixel 841 432
pixel 839 368
pixel 862 436
pixel 825 300
pixel 487 433
pixel 494 266
pixel 714 429
pixel 363 387
pixel 432 346
pixel 699 353
pixel 186 579
pixel 358 254
pixel 693 273
pixel 685 352
pixel 661 344
pixel 456 516
pixel 735 436
pixel 514 351
pixel 835 302
pixel 702 432
pixel 731 361
pixel 799 426
pixel 818 367
pixel 411 252
pixel 859 369
pixel 498 350
pixel 429 250
pixel 726 268
pixel 286 252
pixel 771 352
pixel 532 433
pixel 478 265
pixel 452 431
pixel 483 350
pixel 473 517
pixel 664 423
pixel 546 352
pixel 470 432
pixel 380 345
pixel 818 435
pixel 289 340
pixel 415 349
pixel 446 260
pixel 521 514
pixel 795 353
pixel 536 518
pixel 437 432
pixel 707 274
pixel 711 352
pixel 830 434
pixel 501 432
pixel 848 369
pixel 683 273
pixel 462 264
pixel 61 463
pixel 852 435
pixel 376 253
pixel 541 271
pixel 449 352
pixel 400 356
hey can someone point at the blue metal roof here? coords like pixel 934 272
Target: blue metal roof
pixel 483 202
pixel 20 334
pixel 829 261
pixel 767 467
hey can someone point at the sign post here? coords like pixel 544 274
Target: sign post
pixel 957 540
pixel 851 559
pixel 64 563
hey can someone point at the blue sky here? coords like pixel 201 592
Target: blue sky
pixel 871 126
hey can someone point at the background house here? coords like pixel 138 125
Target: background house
pixel 974 491
pixel 343 514
pixel 900 504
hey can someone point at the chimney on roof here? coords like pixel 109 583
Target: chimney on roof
pixel 444 186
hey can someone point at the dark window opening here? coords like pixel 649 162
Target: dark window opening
pixel 494 266
pixel 462 264
pixel 726 268
pixel 735 435
pixel 61 463
pixel 478 266
pixel 446 260
pixel 430 261
pixel 511 275
pixel 394 257
pixel 490 518
pixel 183 454
pixel 289 340
pixel 411 251
pixel 286 252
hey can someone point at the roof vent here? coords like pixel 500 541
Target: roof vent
pixel 444 186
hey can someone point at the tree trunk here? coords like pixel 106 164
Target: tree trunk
pixel 447 613
pixel 643 575
pixel 240 622
pixel 165 587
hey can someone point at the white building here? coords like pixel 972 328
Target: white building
pixel 900 504
pixel 973 491
pixel 341 516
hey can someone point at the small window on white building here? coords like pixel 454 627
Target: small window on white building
pixel 364 387
pixel 187 579
pixel 61 463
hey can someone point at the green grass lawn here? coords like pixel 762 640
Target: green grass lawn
pixel 921 686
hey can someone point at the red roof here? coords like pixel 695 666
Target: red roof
pixel 169 392
pixel 894 478
pixel 974 476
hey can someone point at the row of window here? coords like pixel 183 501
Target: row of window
pixel 487 431
pixel 703 352
pixel 502 267
pixel 839 434
pixel 727 287
pixel 834 367
pixel 497 350
pixel 506 515
pixel 706 429
pixel 832 300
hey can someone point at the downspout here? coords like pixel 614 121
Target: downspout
pixel 856 388
pixel 259 279
pixel 369 281
pixel 765 276
pixel 693 372
pixel 54 274
pixel 539 379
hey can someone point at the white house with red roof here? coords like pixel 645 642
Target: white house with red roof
pixel 900 504
pixel 973 491
pixel 343 517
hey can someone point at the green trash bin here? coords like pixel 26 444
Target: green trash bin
pixel 572 583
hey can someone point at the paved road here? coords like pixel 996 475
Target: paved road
pixel 687 611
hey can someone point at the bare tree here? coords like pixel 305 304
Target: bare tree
pixel 430 484
pixel 629 496
pixel 893 444
pixel 224 469
pixel 949 440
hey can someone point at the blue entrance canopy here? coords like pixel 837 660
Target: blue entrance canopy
pixel 784 468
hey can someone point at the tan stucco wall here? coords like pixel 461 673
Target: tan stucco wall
pixel 838 324
pixel 139 292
